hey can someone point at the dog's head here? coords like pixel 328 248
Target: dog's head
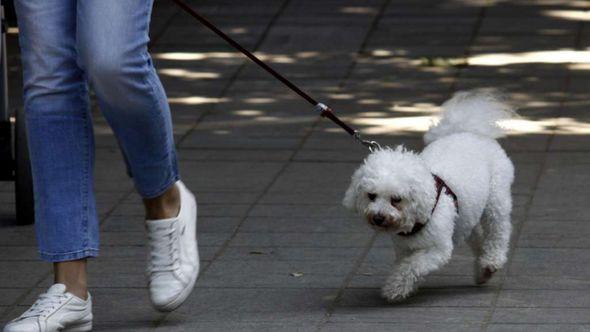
pixel 392 189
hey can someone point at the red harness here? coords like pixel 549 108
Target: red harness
pixel 440 185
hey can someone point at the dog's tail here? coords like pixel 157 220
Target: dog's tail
pixel 476 111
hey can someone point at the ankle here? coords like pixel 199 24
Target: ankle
pixel 73 275
pixel 80 291
pixel 164 206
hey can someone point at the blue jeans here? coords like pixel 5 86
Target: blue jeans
pixel 66 44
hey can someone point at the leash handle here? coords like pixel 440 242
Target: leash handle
pixel 325 110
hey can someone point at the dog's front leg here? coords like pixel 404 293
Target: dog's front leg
pixel 410 268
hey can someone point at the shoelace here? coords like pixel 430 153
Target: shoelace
pixel 164 251
pixel 44 304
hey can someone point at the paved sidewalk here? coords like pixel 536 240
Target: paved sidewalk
pixel 279 252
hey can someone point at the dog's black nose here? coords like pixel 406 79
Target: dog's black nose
pixel 378 219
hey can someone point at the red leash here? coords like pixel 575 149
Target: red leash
pixel 324 110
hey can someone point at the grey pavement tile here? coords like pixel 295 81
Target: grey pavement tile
pixel 276 274
pixel 310 177
pixel 220 140
pixel 542 327
pixel 229 155
pixel 301 197
pixel 9 296
pixel 526 25
pixel 558 159
pixel 525 178
pixel 379 262
pixel 542 315
pixel 237 176
pixel 192 35
pixel 516 70
pixel 23 273
pixel 365 278
pixel 135 326
pixel 409 327
pixel 288 254
pixel 444 297
pixel 18 253
pixel 337 240
pixel 354 155
pixel 570 143
pixel 540 282
pixel 555 234
pixel 400 314
pixel 567 211
pixel 288 224
pixel 544 299
pixel 4 317
pixel 255 305
pixel 285 39
pixel 565 262
pixel 222 326
pixel 497 43
pixel 12 235
pixel 296 211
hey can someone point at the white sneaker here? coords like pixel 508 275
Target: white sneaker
pixel 173 263
pixel 56 310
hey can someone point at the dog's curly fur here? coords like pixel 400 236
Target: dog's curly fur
pixel 395 189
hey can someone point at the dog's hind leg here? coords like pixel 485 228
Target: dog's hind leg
pixel 496 227
pixel 482 273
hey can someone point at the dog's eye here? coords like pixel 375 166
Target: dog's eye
pixel 372 196
pixel 395 200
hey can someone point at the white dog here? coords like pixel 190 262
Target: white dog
pixel 457 189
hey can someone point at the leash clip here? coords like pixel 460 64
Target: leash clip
pixel 371 145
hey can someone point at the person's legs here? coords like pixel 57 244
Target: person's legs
pixel 112 42
pixel 60 137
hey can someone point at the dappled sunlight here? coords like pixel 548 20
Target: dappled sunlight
pixel 391 125
pixel 201 56
pixel 574 15
pixel 248 112
pixel 195 56
pixel 341 96
pixel 368 101
pixel 358 10
pixel 515 127
pixel 416 108
pixel 195 100
pixel 259 100
pixel 553 56
pixel 189 74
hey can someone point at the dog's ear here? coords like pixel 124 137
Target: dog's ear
pixel 354 190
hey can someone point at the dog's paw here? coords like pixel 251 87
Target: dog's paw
pixel 397 290
pixel 484 274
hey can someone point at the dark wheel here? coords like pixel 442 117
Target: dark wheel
pixel 25 204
